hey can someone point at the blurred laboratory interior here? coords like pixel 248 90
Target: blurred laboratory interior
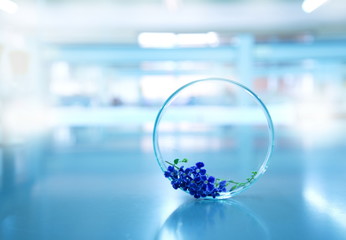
pixel 82 81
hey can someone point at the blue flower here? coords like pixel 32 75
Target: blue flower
pixel 215 193
pixel 209 183
pixel 199 164
pixel 222 186
pixel 171 172
pixel 195 180
pixel 167 174
pixel 188 170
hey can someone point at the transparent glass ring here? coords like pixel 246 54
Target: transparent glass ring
pixel 221 123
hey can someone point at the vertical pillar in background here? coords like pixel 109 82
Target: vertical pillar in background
pixel 245 59
pixel 244 70
pixel 1 100
pixel 40 71
pixel 7 167
pixel 20 86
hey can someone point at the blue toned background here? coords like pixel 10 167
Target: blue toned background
pixel 81 83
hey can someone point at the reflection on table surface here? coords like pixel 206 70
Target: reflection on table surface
pixel 92 183
pixel 213 219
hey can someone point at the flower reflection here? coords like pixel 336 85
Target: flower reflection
pixel 213 219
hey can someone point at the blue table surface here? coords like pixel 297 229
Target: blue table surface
pixel 91 188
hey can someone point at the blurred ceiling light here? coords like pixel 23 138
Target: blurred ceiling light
pixel 190 39
pixel 160 40
pixel 315 118
pixel 172 5
pixel 8 6
pixel 157 86
pixel 310 5
pixel 170 40
pixel 307 86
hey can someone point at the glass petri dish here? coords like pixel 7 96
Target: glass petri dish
pixel 213 138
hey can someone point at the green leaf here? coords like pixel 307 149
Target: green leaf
pixel 176 161
pixel 184 160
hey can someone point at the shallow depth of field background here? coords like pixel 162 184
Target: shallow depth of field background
pixel 81 83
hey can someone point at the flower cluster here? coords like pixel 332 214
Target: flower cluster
pixel 194 180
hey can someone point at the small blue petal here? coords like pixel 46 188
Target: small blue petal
pixel 204 187
pixel 211 179
pixel 210 187
pixel 193 186
pixel 170 168
pixel 222 184
pixel 202 171
pixel 175 184
pixel 199 164
pixel 197 195
pixel 197 179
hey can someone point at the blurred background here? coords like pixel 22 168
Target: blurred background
pixel 81 83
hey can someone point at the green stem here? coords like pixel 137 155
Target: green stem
pixel 239 184
pixel 172 164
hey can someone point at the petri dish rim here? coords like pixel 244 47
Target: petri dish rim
pixel 270 126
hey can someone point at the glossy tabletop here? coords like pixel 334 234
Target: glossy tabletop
pixel 87 183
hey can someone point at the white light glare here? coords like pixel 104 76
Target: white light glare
pixel 170 40
pixel 8 6
pixel 172 5
pixel 316 200
pixel 191 39
pixel 26 117
pixel 161 40
pixel 310 5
